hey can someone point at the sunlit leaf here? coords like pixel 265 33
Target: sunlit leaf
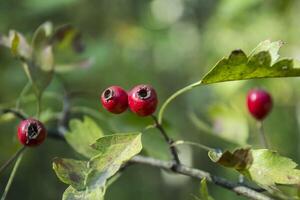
pixel 72 172
pixel 88 180
pixel 113 150
pixel 92 193
pixel 17 43
pixel 269 167
pixel 82 134
pixel 262 63
pixel 271 47
pixel 265 167
pixel 42 36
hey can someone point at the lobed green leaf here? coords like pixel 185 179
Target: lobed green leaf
pixel 72 172
pixel 93 193
pixel 269 167
pixel 261 63
pixel 82 134
pixel 113 151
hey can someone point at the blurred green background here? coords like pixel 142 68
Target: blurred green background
pixel 168 44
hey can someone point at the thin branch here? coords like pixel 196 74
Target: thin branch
pixel 239 189
pixel 15 112
pixel 12 159
pixel 11 177
pixel 173 166
pixel 169 141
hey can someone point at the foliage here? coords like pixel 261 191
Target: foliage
pixel 87 179
pixel 141 42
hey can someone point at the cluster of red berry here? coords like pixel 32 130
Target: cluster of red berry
pixel 141 99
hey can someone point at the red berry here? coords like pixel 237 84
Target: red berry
pixel 114 99
pixel 31 132
pixel 259 103
pixel 142 100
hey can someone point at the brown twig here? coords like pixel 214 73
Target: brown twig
pixel 169 141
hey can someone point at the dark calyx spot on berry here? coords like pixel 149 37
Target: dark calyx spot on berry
pixel 144 93
pixel 33 131
pixel 108 94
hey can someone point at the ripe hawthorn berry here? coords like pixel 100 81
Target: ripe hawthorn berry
pixel 31 132
pixel 142 100
pixel 114 99
pixel 259 103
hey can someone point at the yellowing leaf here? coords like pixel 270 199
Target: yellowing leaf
pixel 269 167
pixel 93 193
pixel 72 172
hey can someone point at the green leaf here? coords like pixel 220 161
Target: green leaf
pixel 15 44
pixel 42 35
pixel 269 167
pixel 67 36
pixel 39 78
pixel 262 63
pixel 113 150
pixel 72 172
pixel 204 191
pixel 93 193
pixel 18 45
pixel 88 179
pixel 240 159
pixel 82 134
pixel 271 47
pixel 161 150
pixel 265 167
pixel 41 67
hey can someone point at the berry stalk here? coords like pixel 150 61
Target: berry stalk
pixel 262 135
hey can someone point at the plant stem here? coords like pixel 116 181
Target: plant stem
pixel 12 159
pixel 263 139
pixel 168 140
pixel 38 107
pixel 173 96
pixel 11 177
pixel 13 111
pixel 201 146
pixel 23 92
pixel 240 189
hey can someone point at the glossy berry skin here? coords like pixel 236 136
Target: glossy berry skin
pixel 114 99
pixel 142 100
pixel 259 103
pixel 31 132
